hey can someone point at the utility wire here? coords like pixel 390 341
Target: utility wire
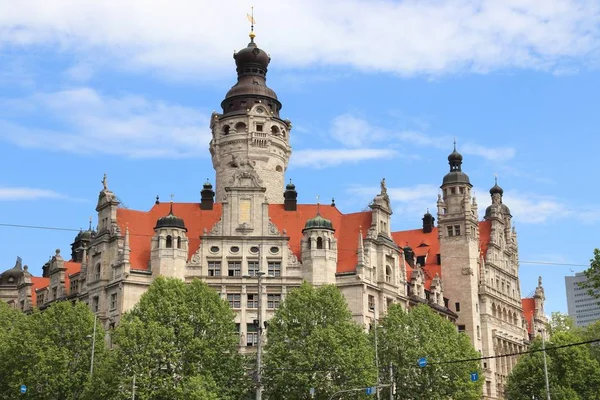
pixel 53 228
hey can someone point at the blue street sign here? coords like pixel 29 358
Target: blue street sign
pixel 371 390
pixel 474 376
pixel 23 389
pixel 422 362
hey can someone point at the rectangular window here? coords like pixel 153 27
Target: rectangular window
pixel 259 127
pixel 478 333
pixel 453 190
pixel 251 335
pixel 450 231
pixel 235 300
pixel 40 298
pixel 456 230
pixel 438 259
pixel 274 268
pixel 421 261
pixel 461 328
pixel 214 268
pixel 457 307
pixel 234 268
pixel 95 304
pixel 273 301
pixel 252 300
pixel 54 293
pixel 371 302
pixel 252 268
pixel 113 301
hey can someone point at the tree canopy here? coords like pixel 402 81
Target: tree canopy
pixel 593 276
pixel 405 337
pixel 49 352
pixel 312 342
pixel 180 342
pixel 573 372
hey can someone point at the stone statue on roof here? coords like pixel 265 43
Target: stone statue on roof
pixel 104 182
pixel 383 187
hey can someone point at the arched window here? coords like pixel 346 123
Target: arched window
pixel 328 244
pixel 388 273
pixel 240 127
pixel 169 242
pixel 319 243
pixel 98 270
pixel 493 309
pixel 178 242
pixel 275 130
pixel 158 242
pixel 309 243
pixel 225 129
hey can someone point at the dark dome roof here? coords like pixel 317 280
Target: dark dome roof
pixel 290 186
pixel 15 273
pixel 207 185
pixel 251 56
pixel 455 156
pixel 170 221
pixel 456 177
pixel 505 211
pixel 318 222
pixel 496 189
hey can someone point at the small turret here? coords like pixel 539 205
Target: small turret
pixel 207 196
pixel 428 222
pixel 169 253
pixel 290 196
pixel 319 251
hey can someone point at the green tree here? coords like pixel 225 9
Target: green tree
pixel 312 342
pixel 180 342
pixel 405 337
pixel 50 353
pixel 573 373
pixel 593 276
pixel 560 322
pixel 9 320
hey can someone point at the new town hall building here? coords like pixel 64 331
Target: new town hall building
pixel 464 268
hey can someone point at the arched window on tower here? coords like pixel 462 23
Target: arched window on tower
pixel 388 274
pixel 225 129
pixel 319 242
pixel 328 244
pixel 169 242
pixel 275 130
pixel 240 127
pixel 309 243
pixel 158 242
pixel 178 242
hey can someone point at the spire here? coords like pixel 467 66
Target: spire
pixel 318 206
pixel 251 19
pixel 157 201
pixel 361 249
pixel 496 189
pixel 456 176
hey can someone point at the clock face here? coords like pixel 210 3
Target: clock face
pixel 260 110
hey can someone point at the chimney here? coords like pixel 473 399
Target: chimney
pixel 207 196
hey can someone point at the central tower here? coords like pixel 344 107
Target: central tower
pixel 249 133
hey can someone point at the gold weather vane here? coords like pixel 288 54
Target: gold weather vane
pixel 252 22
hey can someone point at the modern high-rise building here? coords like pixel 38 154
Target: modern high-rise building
pixel 583 308
pixel 465 268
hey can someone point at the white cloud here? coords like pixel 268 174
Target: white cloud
pixel 25 193
pixel 322 158
pixel 353 131
pixel 536 209
pixel 87 122
pixel 182 37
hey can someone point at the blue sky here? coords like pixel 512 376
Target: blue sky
pixel 374 89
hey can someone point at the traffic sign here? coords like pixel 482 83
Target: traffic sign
pixel 23 389
pixel 422 362
pixel 474 376
pixel 371 390
pixel 312 392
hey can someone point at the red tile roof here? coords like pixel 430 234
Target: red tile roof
pixel 141 227
pixel 528 304
pixel 346 228
pixel 72 268
pixel 38 283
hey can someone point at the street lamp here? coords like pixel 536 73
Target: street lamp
pixel 93 337
pixel 545 365
pixel 259 388
pixel 376 355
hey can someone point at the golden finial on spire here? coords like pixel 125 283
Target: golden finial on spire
pixel 252 22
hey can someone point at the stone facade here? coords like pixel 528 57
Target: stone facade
pixel 465 268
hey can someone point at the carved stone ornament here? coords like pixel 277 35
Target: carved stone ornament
pixel 195 260
pixel 216 229
pixel 292 259
pixel 244 228
pixel 467 271
pixel 273 229
pixel 246 178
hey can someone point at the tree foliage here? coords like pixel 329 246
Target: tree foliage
pixel 405 337
pixel 560 322
pixel 593 276
pixel 314 343
pixel 573 372
pixel 49 352
pixel 180 343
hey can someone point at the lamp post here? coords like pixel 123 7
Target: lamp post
pixel 376 355
pixel 545 364
pixel 93 345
